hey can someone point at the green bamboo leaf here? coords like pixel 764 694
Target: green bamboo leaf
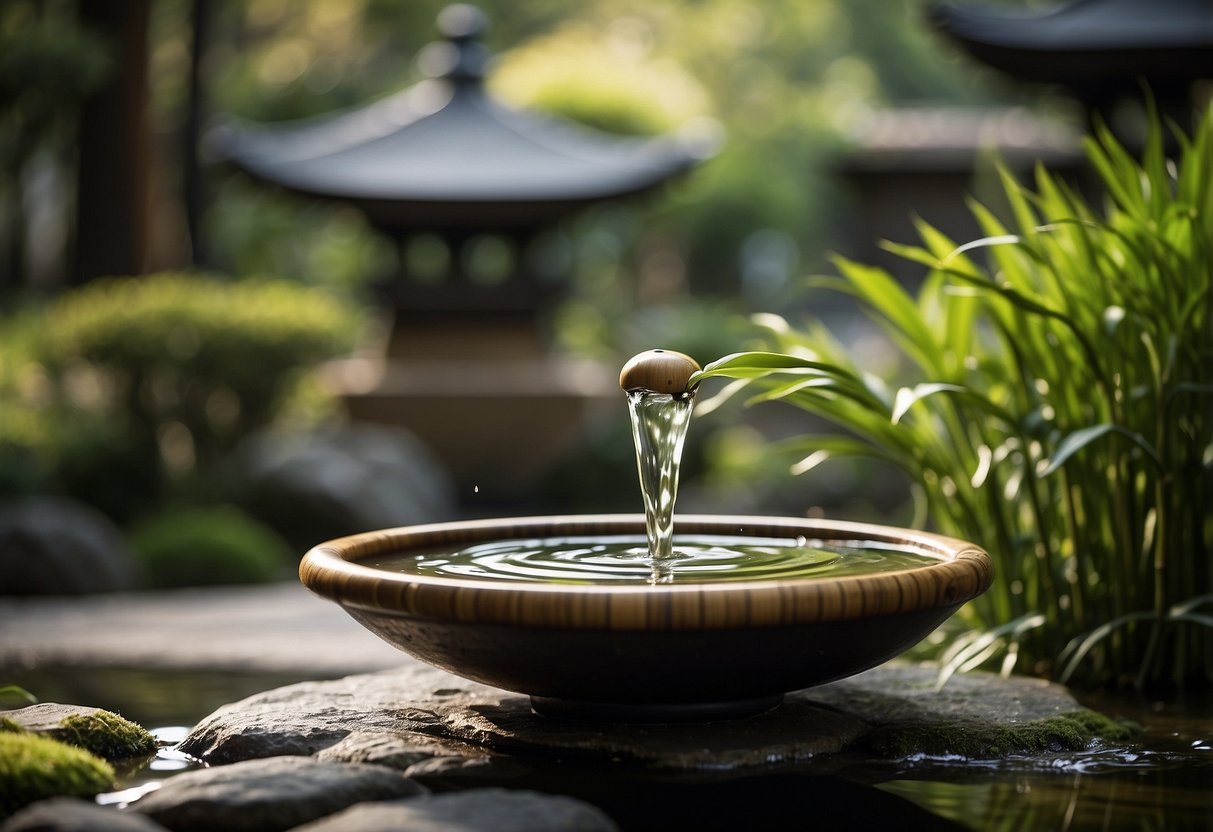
pixel 866 418
pixel 1191 604
pixel 782 391
pixel 1189 387
pixel 1079 439
pixel 884 294
pixel 960 317
pixel 1014 261
pixel 948 255
pixel 1119 171
pixel 1073 654
pixel 824 447
pixel 747 359
pixel 1153 160
pixel 775 324
pixel 753 364
pixel 810 462
pixel 1025 218
pixel 915 254
pixel 982 645
pixel 1090 355
pixel 984 242
pixel 17 696
pixel 821 389
pixel 715 402
pixel 831 282
pixel 879 389
pixel 907 397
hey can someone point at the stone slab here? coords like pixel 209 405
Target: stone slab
pixel 420 708
pixel 477 810
pixel 70 814
pixel 269 795
pixel 395 750
pixel 308 717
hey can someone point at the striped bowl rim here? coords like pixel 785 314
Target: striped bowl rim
pixel 332 570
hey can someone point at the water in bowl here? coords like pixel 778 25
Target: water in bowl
pixel 625 559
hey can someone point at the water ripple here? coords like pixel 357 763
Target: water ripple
pixel 625 559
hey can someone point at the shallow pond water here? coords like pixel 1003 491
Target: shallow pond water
pixel 1162 780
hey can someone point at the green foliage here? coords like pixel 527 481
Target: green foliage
pixel 15 696
pixel 48 64
pixel 1058 411
pixel 34 768
pixel 119 389
pixel 106 735
pixel 256 230
pixel 576 73
pixel 208 546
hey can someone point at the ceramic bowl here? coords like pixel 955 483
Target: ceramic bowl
pixel 643 652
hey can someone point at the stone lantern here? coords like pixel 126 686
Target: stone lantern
pixel 444 167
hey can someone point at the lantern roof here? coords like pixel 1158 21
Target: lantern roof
pixel 1089 42
pixel 446 154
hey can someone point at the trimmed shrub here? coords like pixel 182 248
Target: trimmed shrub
pixel 209 546
pixel 115 391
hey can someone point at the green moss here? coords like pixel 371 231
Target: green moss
pixel 34 768
pixel 1071 731
pixel 10 726
pixel 105 734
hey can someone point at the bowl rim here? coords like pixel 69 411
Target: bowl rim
pixel 331 570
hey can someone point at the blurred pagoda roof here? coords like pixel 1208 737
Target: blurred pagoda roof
pixel 446 155
pixel 1089 43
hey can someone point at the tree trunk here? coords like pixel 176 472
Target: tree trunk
pixel 113 201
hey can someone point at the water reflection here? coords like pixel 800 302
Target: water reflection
pixel 137 783
pixel 1174 799
pixel 1161 781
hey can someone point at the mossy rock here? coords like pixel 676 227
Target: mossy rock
pixel 974 715
pixel 99 732
pixel 973 739
pixel 34 767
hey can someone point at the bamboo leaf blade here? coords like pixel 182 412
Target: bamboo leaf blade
pixel 1079 439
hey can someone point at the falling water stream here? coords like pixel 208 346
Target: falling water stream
pixel 659 428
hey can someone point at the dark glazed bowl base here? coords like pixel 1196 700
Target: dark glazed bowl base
pixel 579 709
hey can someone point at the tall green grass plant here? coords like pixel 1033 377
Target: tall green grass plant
pixel 1059 411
